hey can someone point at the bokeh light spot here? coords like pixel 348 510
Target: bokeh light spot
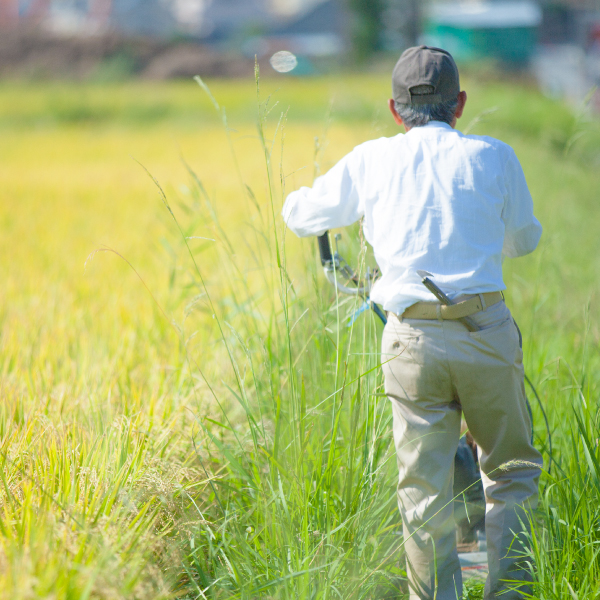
pixel 283 61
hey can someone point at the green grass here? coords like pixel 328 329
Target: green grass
pixel 235 441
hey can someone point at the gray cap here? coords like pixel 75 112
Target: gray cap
pixel 425 66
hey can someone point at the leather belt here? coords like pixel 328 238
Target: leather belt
pixel 435 310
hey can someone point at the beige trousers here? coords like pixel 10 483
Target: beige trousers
pixel 436 371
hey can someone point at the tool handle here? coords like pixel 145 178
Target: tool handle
pixel 436 291
pixel 325 249
pixel 468 322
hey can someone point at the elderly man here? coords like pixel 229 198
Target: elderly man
pixel 453 205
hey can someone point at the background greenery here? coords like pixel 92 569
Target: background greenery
pixel 191 417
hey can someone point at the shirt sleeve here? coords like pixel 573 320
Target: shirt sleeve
pixel 333 201
pixel 522 231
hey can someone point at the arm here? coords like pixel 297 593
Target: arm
pixel 333 201
pixel 522 230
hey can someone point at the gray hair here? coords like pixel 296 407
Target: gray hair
pixel 417 115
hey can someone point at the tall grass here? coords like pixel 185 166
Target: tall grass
pixel 565 542
pixel 300 503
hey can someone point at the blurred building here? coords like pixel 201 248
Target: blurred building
pixel 257 27
pixel 318 30
pixel 224 20
pixel 166 38
pixel 502 30
pixel 214 19
pixel 83 17
pixel 314 32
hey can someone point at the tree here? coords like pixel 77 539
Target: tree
pixel 367 27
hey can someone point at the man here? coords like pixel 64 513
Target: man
pixel 453 205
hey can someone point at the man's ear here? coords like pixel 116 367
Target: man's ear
pixel 395 114
pixel 462 100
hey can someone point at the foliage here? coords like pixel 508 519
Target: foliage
pixel 366 27
pixel 473 590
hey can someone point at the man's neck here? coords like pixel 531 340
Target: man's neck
pixel 407 129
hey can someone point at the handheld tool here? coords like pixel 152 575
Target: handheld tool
pixel 337 270
pixel 435 290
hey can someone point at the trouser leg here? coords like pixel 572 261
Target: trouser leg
pixel 426 433
pixel 488 370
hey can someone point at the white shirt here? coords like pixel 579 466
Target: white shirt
pixel 432 199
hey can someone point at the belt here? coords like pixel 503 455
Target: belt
pixel 435 310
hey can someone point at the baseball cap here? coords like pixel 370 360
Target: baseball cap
pixel 429 72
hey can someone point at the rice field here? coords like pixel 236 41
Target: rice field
pixel 184 412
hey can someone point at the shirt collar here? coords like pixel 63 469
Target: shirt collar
pixel 432 125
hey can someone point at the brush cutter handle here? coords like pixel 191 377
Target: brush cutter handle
pixel 334 265
pixel 325 249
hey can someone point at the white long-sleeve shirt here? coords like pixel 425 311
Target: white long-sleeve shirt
pixel 432 199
